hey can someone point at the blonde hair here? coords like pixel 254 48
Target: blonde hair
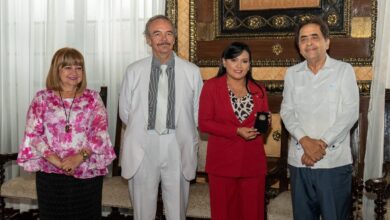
pixel 65 57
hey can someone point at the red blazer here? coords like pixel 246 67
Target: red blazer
pixel 227 153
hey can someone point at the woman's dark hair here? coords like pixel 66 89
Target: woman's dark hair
pixel 234 50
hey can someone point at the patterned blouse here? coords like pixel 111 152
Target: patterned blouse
pixel 242 106
pixel 45 134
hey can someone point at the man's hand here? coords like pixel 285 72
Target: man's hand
pixel 307 161
pixel 314 150
pixel 247 133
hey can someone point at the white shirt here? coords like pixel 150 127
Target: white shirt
pixel 322 106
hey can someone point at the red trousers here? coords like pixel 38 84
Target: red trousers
pixel 237 198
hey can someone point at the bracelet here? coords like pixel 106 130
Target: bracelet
pixel 84 154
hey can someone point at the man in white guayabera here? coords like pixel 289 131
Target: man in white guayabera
pixel 320 106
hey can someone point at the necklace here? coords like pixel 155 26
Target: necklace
pixel 67 115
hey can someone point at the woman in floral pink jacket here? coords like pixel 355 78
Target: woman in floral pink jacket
pixel 66 142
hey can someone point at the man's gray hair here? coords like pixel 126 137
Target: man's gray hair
pixel 158 17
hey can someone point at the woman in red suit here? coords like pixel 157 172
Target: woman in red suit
pixel 236 161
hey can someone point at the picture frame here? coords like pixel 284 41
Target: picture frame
pixel 352 26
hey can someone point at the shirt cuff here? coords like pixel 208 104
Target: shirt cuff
pixel 299 134
pixel 330 146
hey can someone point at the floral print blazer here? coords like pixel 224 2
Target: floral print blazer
pixel 45 133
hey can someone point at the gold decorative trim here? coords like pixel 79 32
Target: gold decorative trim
pixel 332 19
pixel 171 11
pixel 278 73
pixel 276 135
pixel 254 25
pixel 277 49
pixel 193 41
pixel 276 86
pixel 255 63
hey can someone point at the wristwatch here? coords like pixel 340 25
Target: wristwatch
pixel 84 154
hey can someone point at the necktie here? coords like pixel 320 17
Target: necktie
pixel 162 101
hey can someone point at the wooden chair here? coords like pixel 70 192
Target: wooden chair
pixel 278 199
pixel 199 198
pixel 115 190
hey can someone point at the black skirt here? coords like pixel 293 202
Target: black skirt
pixel 65 197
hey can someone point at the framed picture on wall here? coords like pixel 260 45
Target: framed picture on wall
pixel 267 26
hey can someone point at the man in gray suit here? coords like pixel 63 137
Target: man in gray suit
pixel 159 105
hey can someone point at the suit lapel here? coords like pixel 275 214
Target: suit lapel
pixel 179 89
pixel 256 94
pixel 225 99
pixel 144 85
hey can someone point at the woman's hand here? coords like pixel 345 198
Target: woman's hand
pixel 55 160
pixel 69 164
pixel 247 133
